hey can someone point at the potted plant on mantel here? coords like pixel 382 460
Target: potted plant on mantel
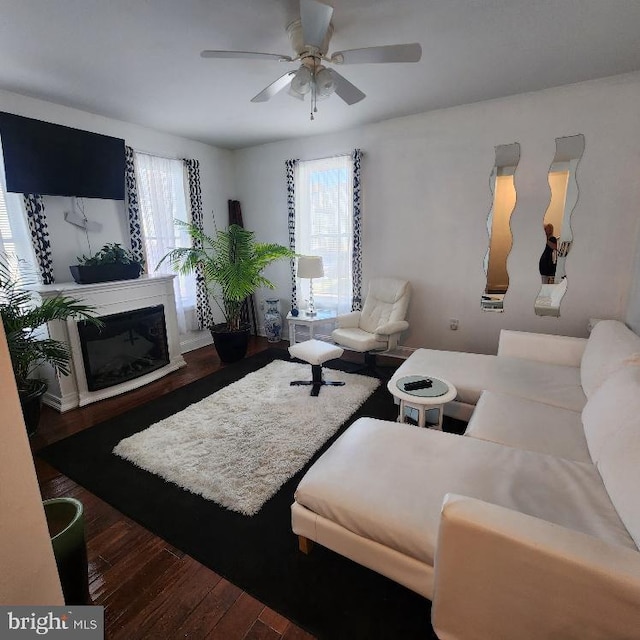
pixel 23 312
pixel 112 262
pixel 232 262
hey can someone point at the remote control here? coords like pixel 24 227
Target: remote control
pixel 418 384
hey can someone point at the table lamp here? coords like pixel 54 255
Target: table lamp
pixel 310 267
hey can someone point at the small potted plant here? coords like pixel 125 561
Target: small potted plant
pixel 23 313
pixel 112 262
pixel 232 262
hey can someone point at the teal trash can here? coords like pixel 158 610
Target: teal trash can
pixel 65 519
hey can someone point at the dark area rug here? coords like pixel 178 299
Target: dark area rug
pixel 330 596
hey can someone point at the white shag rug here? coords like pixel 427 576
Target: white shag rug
pixel 239 445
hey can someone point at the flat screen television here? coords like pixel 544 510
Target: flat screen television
pixel 50 159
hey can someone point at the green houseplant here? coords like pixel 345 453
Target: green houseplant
pixel 231 263
pixel 23 313
pixel 112 262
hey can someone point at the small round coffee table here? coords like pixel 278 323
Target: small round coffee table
pixel 422 400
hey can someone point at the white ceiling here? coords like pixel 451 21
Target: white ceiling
pixel 138 60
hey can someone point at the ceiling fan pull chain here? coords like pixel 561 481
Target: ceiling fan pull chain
pixel 313 105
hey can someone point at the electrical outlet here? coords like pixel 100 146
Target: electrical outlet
pixel 453 324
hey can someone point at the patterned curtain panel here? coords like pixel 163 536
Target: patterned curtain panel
pixel 34 207
pixel 357 233
pixel 133 206
pixel 203 308
pixel 291 205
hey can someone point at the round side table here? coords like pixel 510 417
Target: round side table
pixel 422 400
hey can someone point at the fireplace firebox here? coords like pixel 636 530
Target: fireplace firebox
pixel 129 345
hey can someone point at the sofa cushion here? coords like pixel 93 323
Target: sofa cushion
pixel 472 373
pixel 610 346
pixel 386 482
pixel 620 471
pixel 614 405
pixel 357 339
pixel 527 424
pixel 611 421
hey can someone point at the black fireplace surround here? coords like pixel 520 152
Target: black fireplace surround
pixel 129 345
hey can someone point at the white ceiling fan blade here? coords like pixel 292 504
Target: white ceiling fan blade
pixel 390 53
pixel 245 54
pixel 275 87
pixel 347 91
pixel 315 18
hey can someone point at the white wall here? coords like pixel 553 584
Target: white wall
pixel 216 172
pixel 426 197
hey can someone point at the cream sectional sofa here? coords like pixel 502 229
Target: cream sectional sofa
pixel 528 526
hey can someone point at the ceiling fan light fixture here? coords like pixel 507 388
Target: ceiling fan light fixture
pixel 294 94
pixel 302 81
pixel 325 83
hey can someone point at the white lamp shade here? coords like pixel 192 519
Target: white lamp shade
pixel 310 267
pixel 325 84
pixel 302 81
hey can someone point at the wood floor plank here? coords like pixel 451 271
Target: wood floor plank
pixel 203 618
pixel 296 633
pixel 45 471
pixel 235 624
pixel 151 589
pixel 128 582
pixel 149 596
pixel 188 574
pixel 121 600
pixel 58 486
pixel 111 541
pixel 274 620
pixel 97 568
pixel 260 631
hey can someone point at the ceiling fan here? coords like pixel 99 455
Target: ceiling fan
pixel 310 36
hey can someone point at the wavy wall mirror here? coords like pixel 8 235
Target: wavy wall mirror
pixel 503 202
pixel 557 225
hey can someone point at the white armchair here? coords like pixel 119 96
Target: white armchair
pixel 378 326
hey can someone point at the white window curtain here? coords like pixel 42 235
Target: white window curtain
pixel 15 237
pixel 324 227
pixel 162 198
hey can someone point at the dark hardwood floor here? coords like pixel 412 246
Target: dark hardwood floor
pixel 149 588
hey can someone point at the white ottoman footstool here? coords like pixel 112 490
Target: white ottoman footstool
pixel 315 352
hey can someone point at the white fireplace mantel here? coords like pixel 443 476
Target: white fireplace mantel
pixel 68 392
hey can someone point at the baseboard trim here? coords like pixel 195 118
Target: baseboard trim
pixel 401 352
pixel 61 405
pixel 195 340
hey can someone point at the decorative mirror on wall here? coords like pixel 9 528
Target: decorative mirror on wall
pixel 557 224
pixel 503 202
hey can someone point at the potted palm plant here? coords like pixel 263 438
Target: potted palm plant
pixel 231 263
pixel 23 313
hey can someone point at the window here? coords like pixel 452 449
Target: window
pixel 324 227
pixel 162 198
